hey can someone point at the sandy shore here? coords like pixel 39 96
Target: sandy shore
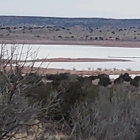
pixel 78 60
pixel 108 43
pixel 44 71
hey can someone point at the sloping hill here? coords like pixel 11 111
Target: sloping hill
pixel 55 30
pixel 66 22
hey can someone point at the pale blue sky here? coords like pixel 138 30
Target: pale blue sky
pixel 72 8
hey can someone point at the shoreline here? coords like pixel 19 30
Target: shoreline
pixel 106 43
pixel 127 44
pixel 53 71
pixel 77 60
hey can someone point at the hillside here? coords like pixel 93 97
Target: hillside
pixel 86 31
pixel 67 22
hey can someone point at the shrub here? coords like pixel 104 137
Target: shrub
pixel 96 38
pixel 91 94
pixel 113 32
pixel 104 79
pixel 57 29
pixel 137 78
pixel 70 95
pixel 125 77
pixel 101 38
pixel 118 80
pixel 114 115
pixel 60 36
pixel 117 38
pixel 39 93
pixel 16 117
pixel 16 114
pixel 134 83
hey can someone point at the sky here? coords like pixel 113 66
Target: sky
pixel 123 9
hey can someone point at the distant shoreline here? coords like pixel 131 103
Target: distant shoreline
pixel 127 44
pixel 78 60
pixel 44 71
pixel 107 43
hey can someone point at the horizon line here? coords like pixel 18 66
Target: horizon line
pixel 79 17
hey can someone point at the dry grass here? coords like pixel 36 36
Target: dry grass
pixel 114 115
pixel 104 36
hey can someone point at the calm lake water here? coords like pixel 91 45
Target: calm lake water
pixel 84 51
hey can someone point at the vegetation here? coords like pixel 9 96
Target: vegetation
pixel 74 29
pixel 65 106
pixel 68 22
pixel 114 115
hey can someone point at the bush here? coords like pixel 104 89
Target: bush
pixel 17 116
pixel 137 78
pixel 96 38
pixel 39 94
pixel 118 80
pixel 101 38
pixel 70 95
pixel 125 77
pixel 134 83
pixel 91 94
pixel 104 80
pixel 117 38
pixel 88 112
pixel 114 116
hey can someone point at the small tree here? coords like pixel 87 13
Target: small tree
pixel 16 114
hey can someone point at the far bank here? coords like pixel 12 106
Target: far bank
pixel 107 43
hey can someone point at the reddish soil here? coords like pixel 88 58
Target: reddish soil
pixel 79 72
pixel 78 60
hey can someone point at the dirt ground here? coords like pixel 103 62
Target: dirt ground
pixel 128 44
pixel 102 36
pixel 43 71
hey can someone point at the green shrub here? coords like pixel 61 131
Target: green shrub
pixel 134 83
pixel 125 77
pixel 104 80
pixel 118 80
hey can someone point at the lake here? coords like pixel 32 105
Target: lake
pixel 85 51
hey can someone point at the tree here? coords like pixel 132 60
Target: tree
pixel 19 116
pixel 16 115
pixel 113 32
pixel 96 38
